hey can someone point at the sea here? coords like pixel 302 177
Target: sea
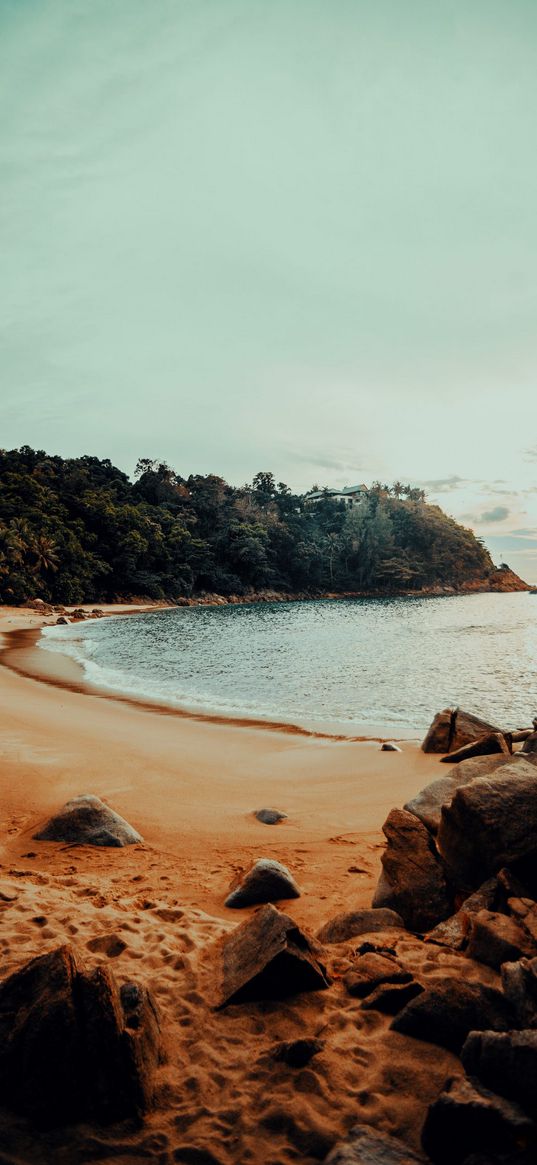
pixel 351 666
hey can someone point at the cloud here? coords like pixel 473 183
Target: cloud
pixel 498 514
pixel 444 485
pixel 525 532
pixel 321 460
pixel 531 453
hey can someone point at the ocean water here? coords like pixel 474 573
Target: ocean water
pixel 348 663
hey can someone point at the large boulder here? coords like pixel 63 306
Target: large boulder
pixel 467 1119
pixel 71 1046
pixel 346 926
pixel 505 1062
pixel 367 1146
pixel 519 983
pixel 428 804
pixel 266 957
pixel 412 882
pixel 86 820
pixel 452 728
pixel 267 881
pixel 446 1013
pixel 491 823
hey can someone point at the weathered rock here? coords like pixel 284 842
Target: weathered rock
pixel 367 1146
pixel 438 738
pixel 487 745
pixel 427 805
pixel 492 823
pixel 505 1062
pixel 495 939
pixel 370 970
pixel 453 728
pixel 521 734
pixel 446 1013
pixel 412 880
pixel 389 747
pixel 524 910
pixel 390 998
pixel 346 926
pixel 519 982
pixel 455 930
pixel 467 1118
pixel 530 744
pixel 86 820
pixel 270 816
pixel 297 1053
pixel 267 881
pixel 266 957
pixel 65 1048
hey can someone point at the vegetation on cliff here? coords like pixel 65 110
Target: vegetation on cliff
pixel 79 529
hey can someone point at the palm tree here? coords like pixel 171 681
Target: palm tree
pixel 45 555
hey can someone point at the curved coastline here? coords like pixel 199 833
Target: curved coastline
pixel 20 653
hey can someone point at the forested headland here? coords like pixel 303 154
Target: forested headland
pixel 79 530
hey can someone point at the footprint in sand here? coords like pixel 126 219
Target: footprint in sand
pixel 107 944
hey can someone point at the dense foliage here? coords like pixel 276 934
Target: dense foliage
pixel 79 529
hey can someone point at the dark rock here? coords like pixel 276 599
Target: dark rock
pixel 297 1053
pixel 495 939
pixel 427 805
pixel 519 982
pixel 370 970
pixel 65 1051
pixel 412 880
pixel 490 743
pixel 62 621
pixel 445 1014
pixel 266 957
pixel 346 926
pixel 491 823
pixel 390 998
pixel 455 930
pixel 453 728
pixel 267 881
pixel 530 744
pixel 438 738
pixel 524 910
pixel 468 1118
pixel 521 734
pixel 505 1062
pixel 367 1146
pixel 389 747
pixel 270 816
pixel 87 820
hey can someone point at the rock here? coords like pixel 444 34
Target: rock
pixel 65 1050
pixel 495 939
pixel 427 805
pixel 530 744
pixel 521 734
pixel 78 613
pixel 446 1013
pixel 389 747
pixel 62 621
pixel 267 881
pixel 346 926
pixel 270 816
pixel 412 880
pixel 390 998
pixel 297 1053
pixel 266 957
pixel 491 823
pixel 524 910
pixel 438 738
pixel 453 728
pixel 367 1146
pixel 455 930
pixel 505 1062
pixel 519 983
pixel 86 820
pixel 468 1118
pixel 370 970
pixel 491 742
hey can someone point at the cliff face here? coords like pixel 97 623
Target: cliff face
pixel 503 580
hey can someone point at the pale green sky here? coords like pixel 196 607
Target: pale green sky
pixel 286 234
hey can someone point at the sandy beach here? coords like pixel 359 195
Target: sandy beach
pixel 190 788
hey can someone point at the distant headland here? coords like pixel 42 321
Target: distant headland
pixel 79 530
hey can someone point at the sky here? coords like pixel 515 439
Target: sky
pixel 287 235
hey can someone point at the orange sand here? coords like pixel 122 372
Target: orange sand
pixel 190 787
